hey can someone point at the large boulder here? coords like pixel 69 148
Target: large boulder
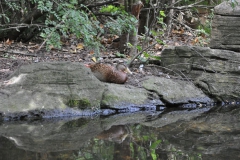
pixel 65 89
pixel 213 70
pixel 225 27
pixel 50 86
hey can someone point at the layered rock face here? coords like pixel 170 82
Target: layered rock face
pixel 226 27
pixel 215 71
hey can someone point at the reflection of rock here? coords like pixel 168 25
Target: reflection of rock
pixel 115 133
pixel 199 131
pixel 175 116
pixel 52 135
pixel 213 134
pixel 215 71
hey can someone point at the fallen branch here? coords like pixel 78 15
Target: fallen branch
pixel 17 26
pixel 17 52
pixel 101 4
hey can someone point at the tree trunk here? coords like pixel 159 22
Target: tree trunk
pixel 133 36
pixel 125 36
pixel 123 42
pixel 170 19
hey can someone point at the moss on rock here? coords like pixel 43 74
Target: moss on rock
pixel 83 103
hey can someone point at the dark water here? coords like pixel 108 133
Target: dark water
pixel 201 134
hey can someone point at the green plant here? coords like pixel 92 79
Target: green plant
pixel 58 19
pixel 147 55
pixel 162 27
pixel 124 23
pixel 69 19
pixel 160 19
pixel 112 9
pixel 206 28
pixel 82 23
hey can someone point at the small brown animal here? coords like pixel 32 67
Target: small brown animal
pixel 108 73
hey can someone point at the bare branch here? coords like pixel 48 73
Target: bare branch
pixel 22 25
pixel 140 53
pixel 10 51
pixel 101 4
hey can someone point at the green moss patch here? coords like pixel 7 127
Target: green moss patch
pixel 79 103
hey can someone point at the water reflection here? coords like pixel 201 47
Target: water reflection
pixel 206 133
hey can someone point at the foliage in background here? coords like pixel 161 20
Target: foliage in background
pixel 64 18
pixel 67 18
pixel 112 9
pixel 163 26
pixel 158 34
pixel 124 23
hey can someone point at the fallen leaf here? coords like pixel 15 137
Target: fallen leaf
pixel 64 50
pixel 196 40
pixel 158 46
pixel 31 43
pixel 80 46
pixel 33 46
pixel 30 50
pixel 51 47
pixel 176 44
pixel 101 26
pixel 105 53
pixel 94 59
pixel 73 51
pixel 91 52
pixel 109 41
pixel 182 31
pixel 104 41
pixel 9 42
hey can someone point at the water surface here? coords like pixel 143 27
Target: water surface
pixel 200 134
